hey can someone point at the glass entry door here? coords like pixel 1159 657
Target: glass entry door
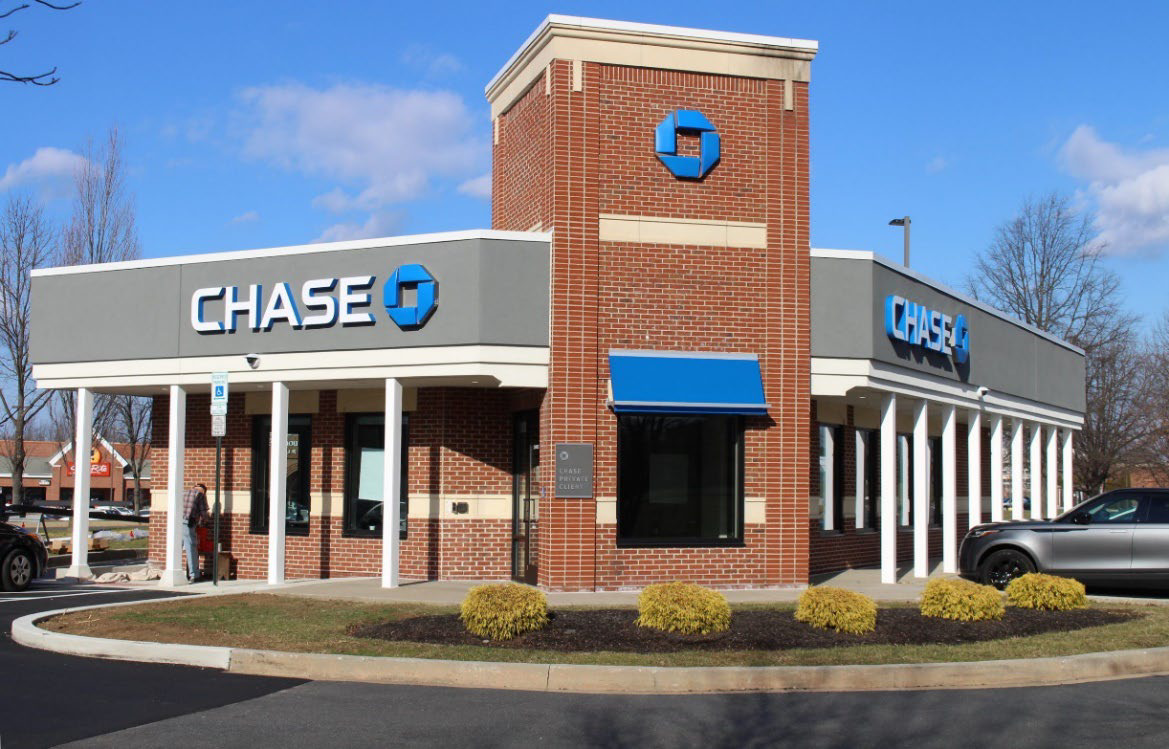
pixel 525 496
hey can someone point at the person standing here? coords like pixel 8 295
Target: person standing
pixel 195 514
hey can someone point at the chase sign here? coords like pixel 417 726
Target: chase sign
pixel 687 122
pixel 319 303
pixel 917 325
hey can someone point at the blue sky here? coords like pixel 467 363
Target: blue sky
pixel 258 124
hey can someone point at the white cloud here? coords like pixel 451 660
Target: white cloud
pixel 433 64
pixel 936 164
pixel 477 187
pixel 246 217
pixel 47 164
pixel 1130 189
pixel 384 146
pixel 378 224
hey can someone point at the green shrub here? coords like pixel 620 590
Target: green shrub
pixel 1038 591
pixel 839 609
pixel 503 610
pixel 961 600
pixel 685 608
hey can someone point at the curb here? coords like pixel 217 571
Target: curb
pixel 568 678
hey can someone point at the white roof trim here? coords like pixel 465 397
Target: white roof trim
pixel 68 447
pixel 301 249
pixel 898 267
pixel 651 29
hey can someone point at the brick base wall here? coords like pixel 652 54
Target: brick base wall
pixel 728 567
pixel 850 548
pixel 433 549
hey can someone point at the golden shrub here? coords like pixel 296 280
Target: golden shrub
pixel 685 608
pixel 961 600
pixel 1048 592
pixel 503 610
pixel 843 610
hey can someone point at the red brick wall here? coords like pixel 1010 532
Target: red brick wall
pixel 460 443
pixel 595 147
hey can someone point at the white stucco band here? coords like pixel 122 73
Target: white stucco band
pixel 503 366
pixel 848 378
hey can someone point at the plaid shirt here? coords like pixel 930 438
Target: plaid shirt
pixel 195 506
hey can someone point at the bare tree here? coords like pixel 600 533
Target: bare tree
pixel 1044 266
pixel 25 244
pixel 133 418
pixel 48 78
pixel 1117 426
pixel 1153 457
pixel 101 229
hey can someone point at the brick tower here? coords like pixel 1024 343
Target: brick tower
pixel 644 259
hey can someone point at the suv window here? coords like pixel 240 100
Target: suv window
pixel 1121 509
pixel 1158 508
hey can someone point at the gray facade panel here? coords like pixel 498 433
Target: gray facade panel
pixel 490 292
pixel 121 314
pixel 1004 356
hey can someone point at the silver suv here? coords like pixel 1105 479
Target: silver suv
pixel 1117 538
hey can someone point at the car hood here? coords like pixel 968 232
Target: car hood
pixel 1006 525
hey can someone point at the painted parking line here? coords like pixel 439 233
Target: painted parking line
pixel 48 595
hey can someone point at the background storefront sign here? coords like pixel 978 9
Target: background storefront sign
pixel 574 470
pixel 917 325
pixel 95 469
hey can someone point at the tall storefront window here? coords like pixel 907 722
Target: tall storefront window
pixel 679 479
pixel 296 503
pixel 831 477
pixel 364 465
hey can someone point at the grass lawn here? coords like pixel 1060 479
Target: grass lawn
pixel 287 623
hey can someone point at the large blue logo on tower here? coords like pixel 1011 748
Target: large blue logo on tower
pixel 687 122
pixel 411 277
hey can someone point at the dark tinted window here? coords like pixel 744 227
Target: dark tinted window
pixel 364 462
pixel 1158 511
pixel 679 479
pixel 1121 509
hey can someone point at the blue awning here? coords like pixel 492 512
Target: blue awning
pixel 686 382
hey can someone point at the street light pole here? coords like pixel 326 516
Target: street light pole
pixel 904 223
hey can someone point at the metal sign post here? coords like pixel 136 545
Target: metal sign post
pixel 218 430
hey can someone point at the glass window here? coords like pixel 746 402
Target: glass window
pixel 868 445
pixel 679 479
pixel 1158 511
pixel 364 465
pixel 1115 510
pixel 296 518
pixel 831 477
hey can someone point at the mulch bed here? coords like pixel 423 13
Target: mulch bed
pixel 614 630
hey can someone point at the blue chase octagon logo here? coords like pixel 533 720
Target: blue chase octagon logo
pixel 687 122
pixel 406 278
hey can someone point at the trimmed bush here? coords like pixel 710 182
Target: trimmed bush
pixel 1048 592
pixel 685 608
pixel 962 600
pixel 839 609
pixel 503 610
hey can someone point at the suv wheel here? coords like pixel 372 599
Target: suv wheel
pixel 16 572
pixel 1003 566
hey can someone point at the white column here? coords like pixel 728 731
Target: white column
pixel 277 483
pixel 889 489
pixel 174 573
pixel 828 490
pixel 82 442
pixel 1036 470
pixel 1017 469
pixel 974 467
pixel 1068 494
pixel 392 484
pixel 921 499
pixel 996 468
pixel 860 442
pixel 949 489
pixel 1052 475
pixel 906 479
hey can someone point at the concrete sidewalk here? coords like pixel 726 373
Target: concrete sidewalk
pixel 452 592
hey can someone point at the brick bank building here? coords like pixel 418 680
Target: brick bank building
pixel 641 372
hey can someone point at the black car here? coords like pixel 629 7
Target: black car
pixel 22 557
pixel 1120 537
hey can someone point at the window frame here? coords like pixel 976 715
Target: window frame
pixel 261 438
pixel 349 491
pixel 737 429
